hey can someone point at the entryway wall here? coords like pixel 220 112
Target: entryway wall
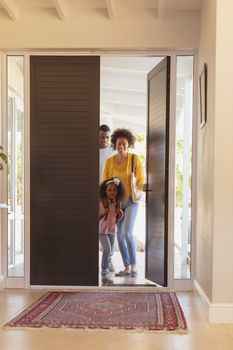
pixel 171 221
pixel 214 275
pixel 178 30
pixel 144 34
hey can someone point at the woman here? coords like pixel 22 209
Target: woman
pixel 119 165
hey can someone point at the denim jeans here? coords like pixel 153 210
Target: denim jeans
pixel 125 236
pixel 107 242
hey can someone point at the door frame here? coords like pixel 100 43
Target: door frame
pixel 24 282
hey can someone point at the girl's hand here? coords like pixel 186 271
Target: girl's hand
pixel 119 213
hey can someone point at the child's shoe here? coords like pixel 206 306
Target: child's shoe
pixel 106 281
pixel 111 267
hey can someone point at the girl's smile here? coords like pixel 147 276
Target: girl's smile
pixel 111 191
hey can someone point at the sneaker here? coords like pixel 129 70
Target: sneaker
pixel 134 273
pixel 106 281
pixel 111 267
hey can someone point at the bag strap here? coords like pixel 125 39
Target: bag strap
pixel 132 165
pixel 106 206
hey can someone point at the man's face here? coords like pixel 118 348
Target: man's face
pixel 104 139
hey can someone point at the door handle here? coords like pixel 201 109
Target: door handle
pixel 3 206
pixel 146 188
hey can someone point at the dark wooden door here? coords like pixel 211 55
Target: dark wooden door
pixel 157 173
pixel 64 153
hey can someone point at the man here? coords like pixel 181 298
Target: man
pixel 105 152
pixel 104 145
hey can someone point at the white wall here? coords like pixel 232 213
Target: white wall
pixel 214 272
pixel 223 165
pixel 205 152
pixel 42 29
pixel 1 183
pixel 15 75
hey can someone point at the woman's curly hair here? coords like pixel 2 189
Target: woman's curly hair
pixel 120 188
pixel 126 134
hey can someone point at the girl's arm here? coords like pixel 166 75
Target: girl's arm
pixel 102 210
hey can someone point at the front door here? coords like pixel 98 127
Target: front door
pixel 64 119
pixel 157 173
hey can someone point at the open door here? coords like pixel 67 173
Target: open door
pixel 157 173
pixel 64 166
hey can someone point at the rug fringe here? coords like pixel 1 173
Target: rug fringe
pixel 112 329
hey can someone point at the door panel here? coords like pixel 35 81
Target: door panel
pixel 157 173
pixel 64 108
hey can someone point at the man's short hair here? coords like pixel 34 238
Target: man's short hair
pixel 104 128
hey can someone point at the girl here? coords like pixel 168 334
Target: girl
pixel 111 193
pixel 120 165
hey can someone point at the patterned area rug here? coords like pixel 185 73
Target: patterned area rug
pixel 105 310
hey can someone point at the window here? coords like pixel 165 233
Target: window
pixel 15 111
pixel 183 167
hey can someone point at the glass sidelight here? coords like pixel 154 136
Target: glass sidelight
pixel 15 118
pixel 183 167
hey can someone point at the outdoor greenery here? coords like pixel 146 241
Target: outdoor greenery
pixel 19 174
pixel 140 138
pixel 179 175
pixel 3 158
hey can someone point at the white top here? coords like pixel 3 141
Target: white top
pixel 104 154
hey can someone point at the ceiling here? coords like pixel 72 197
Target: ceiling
pixel 123 89
pixel 111 9
pixel 123 79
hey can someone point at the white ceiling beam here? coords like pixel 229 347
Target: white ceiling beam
pixel 60 8
pixel 110 9
pixel 125 91
pixel 115 100
pixel 11 8
pixel 140 121
pixel 161 8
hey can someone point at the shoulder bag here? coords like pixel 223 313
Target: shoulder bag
pixel 137 194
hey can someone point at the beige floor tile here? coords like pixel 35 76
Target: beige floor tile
pixel 189 299
pixel 229 328
pixel 202 341
pixel 201 335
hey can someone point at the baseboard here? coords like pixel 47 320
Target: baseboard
pixel 14 282
pixel 2 282
pixel 215 312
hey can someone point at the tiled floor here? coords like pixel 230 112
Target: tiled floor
pixel 201 335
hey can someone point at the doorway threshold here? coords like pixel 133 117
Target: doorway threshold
pixel 128 281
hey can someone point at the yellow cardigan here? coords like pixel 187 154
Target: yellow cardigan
pixel 123 171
